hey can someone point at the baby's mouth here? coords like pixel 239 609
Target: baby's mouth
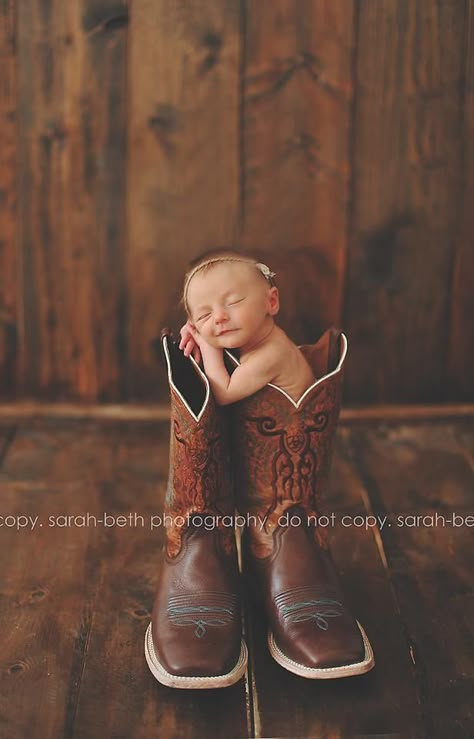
pixel 227 331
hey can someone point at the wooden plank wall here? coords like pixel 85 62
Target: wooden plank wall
pixel 331 139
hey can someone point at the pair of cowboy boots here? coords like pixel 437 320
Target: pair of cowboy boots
pixel 280 462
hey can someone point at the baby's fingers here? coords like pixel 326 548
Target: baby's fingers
pixel 188 347
pixel 185 337
pixel 187 331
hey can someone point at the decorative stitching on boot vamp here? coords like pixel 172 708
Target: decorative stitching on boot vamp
pixel 308 603
pixel 202 610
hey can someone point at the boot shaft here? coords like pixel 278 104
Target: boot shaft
pixel 199 462
pixel 194 639
pixel 283 449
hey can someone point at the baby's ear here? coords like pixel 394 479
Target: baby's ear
pixel 273 301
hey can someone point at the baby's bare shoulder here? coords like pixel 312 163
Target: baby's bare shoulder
pixel 279 350
pixel 282 342
pixel 265 354
pixel 266 358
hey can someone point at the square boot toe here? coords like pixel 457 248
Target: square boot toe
pixel 199 658
pixel 318 649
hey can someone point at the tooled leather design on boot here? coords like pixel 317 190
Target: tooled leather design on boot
pixel 198 479
pixel 283 454
pixel 196 620
pixel 294 465
pixel 296 443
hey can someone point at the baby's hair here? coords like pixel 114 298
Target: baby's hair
pixel 207 261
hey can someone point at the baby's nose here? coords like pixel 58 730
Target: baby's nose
pixel 220 316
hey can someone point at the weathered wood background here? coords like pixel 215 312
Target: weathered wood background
pixel 333 139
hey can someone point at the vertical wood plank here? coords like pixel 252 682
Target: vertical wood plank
pixel 183 166
pixel 285 108
pixel 8 200
pixel 461 339
pixel 297 102
pixel 408 153
pixel 71 179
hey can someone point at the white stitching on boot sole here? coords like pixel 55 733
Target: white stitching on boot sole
pixel 357 668
pixel 183 681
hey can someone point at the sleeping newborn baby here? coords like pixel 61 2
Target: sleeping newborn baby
pixel 231 301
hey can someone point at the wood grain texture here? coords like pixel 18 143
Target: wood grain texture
pixel 333 140
pixel 297 97
pixel 425 472
pixel 115 674
pixel 76 600
pixel 50 577
pixel 461 338
pixel 8 201
pixel 161 412
pixel 71 178
pixel 183 183
pixel 406 199
pixel 80 596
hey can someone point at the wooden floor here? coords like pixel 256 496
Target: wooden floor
pixel 76 599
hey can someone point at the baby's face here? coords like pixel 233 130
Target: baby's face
pixel 229 304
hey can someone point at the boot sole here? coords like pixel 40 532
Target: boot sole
pixel 323 673
pixel 192 682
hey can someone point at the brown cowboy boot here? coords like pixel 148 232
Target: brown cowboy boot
pixel 194 638
pixel 283 454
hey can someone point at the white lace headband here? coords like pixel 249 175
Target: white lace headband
pixel 266 272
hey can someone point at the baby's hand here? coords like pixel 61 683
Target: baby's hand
pixel 188 341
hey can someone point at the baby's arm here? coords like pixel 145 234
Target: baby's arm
pixel 244 381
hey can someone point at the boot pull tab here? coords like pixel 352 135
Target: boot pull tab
pixel 157 346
